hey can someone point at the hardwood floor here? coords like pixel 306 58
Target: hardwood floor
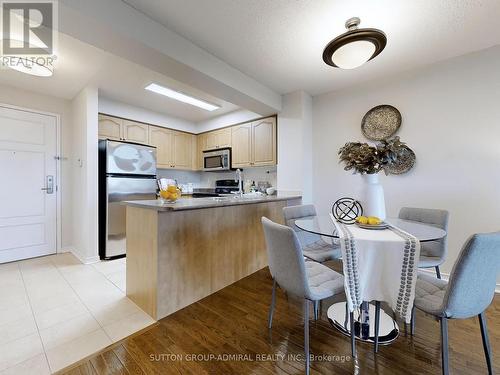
pixel 233 322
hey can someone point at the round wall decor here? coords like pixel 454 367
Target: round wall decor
pixel 381 122
pixel 404 163
pixel 346 210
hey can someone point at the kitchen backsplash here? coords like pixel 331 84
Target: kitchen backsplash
pixel 207 179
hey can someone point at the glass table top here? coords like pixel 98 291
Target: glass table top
pixel 324 226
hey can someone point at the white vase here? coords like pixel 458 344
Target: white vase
pixel 372 196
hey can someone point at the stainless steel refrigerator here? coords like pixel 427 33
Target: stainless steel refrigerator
pixel 127 171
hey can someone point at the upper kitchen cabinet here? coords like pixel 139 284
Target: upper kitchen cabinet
pixel 135 132
pixel 174 149
pixel 183 151
pixel 242 145
pixel 254 143
pixel 218 139
pixel 162 139
pixel 122 130
pixel 201 146
pixel 264 142
pixel 110 127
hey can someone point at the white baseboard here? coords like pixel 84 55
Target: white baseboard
pixel 446 276
pixel 65 249
pixel 85 260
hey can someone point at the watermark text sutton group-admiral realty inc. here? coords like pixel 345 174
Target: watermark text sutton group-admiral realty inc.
pixel 29 35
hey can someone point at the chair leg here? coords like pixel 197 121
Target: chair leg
pixel 486 342
pixel 271 308
pixel 438 273
pixel 316 309
pixel 444 345
pixel 306 334
pixel 412 323
pixel 377 325
pixel 353 335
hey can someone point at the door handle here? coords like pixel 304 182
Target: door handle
pixel 49 184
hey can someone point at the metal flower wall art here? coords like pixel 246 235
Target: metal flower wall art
pixel 367 159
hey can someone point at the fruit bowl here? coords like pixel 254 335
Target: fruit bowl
pixel 380 226
pixel 171 194
pixel 370 222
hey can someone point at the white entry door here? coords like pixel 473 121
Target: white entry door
pixel 28 203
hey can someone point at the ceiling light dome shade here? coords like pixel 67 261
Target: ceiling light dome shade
pixel 355 47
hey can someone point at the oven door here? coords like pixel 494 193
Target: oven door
pixel 217 161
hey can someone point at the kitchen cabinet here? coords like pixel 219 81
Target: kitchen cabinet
pixel 264 142
pixel 242 145
pixel 182 150
pixel 254 144
pixel 162 139
pixel 135 132
pixel 174 149
pixel 110 127
pixel 201 144
pixel 117 129
pixel 218 139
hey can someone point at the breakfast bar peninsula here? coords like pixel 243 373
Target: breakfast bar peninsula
pixel 181 252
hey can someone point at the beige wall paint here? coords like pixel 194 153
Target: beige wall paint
pixel 47 103
pixel 451 119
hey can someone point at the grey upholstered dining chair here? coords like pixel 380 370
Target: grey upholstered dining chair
pixel 313 246
pixel 432 254
pixel 469 291
pixel 311 281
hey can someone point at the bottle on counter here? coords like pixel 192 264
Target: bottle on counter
pixel 247 185
pixel 253 188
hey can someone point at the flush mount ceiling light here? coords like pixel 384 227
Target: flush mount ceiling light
pixel 355 47
pixel 181 97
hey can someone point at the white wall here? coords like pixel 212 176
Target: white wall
pixel 451 119
pixel 47 103
pixel 128 111
pixel 295 145
pixel 231 118
pixel 84 112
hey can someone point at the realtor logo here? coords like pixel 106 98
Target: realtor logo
pixel 27 28
pixel 29 36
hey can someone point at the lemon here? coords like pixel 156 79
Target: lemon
pixel 373 220
pixel 165 194
pixel 172 189
pixel 362 219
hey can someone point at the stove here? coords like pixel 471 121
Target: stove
pixel 222 187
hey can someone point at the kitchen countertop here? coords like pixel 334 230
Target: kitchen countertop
pixel 198 203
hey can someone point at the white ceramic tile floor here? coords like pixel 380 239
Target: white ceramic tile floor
pixel 55 311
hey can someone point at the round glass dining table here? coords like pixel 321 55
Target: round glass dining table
pixel 338 314
pixel 323 225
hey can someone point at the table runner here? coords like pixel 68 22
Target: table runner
pixel 379 265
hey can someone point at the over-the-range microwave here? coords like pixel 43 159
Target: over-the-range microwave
pixel 217 160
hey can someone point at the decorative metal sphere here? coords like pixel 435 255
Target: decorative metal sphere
pixel 346 210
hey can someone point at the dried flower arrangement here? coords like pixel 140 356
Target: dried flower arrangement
pixel 365 159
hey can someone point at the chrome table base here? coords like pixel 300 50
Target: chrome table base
pixel 339 318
